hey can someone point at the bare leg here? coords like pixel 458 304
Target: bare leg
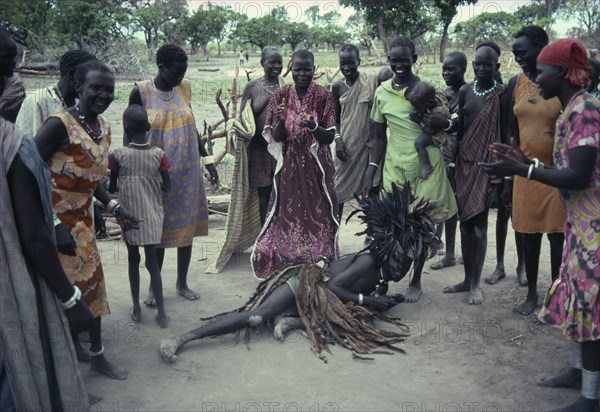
pixel 160 256
pixel 572 377
pixel 480 223
pixel 83 355
pixel 501 231
pixel 184 255
pixel 156 283
pixel 133 262
pixel 556 248
pixel 99 363
pixel 466 239
pixel 588 401
pixel 421 144
pixel 520 245
pixel 450 258
pixel 264 195
pixel 414 291
pixel 276 303
pixel 533 242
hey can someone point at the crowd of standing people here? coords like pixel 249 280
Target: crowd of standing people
pixel 530 148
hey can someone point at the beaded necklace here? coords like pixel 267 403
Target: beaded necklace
pixel 483 93
pixel 269 89
pixel 400 86
pixel 99 138
pixel 60 96
pixel 160 96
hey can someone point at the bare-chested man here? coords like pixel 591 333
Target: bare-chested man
pixel 479 125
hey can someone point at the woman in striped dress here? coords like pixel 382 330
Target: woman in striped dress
pixel 135 166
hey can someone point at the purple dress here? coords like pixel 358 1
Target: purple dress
pixel 302 221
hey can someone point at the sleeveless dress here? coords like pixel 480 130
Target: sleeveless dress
pixel 173 129
pixel 139 190
pixel 537 208
pixel 76 171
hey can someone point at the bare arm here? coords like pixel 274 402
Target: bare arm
pixel 50 137
pixel 378 146
pixel 512 122
pixel 166 181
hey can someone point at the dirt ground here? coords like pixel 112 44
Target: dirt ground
pixel 458 357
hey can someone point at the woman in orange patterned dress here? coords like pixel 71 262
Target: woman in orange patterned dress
pixel 74 143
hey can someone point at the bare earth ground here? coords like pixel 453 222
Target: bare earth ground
pixel 458 357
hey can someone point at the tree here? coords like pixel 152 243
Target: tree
pixel 150 16
pixel 313 15
pixel 360 31
pixel 231 19
pixel 26 22
pixel 497 27
pixel 392 18
pixel 91 25
pixel 296 33
pixel 203 26
pixel 263 31
pixel 587 15
pixel 447 11
pixel 334 36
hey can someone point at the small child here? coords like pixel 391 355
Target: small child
pixel 424 99
pixel 135 167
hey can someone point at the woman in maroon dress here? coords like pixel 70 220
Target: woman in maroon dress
pixel 302 221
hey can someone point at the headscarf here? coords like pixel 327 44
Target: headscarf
pixel 571 54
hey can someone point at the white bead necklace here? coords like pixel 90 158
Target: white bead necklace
pixel 483 93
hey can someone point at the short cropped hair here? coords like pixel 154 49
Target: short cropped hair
pixel 350 48
pixel 537 35
pixel 402 41
pixel 303 54
pixel 489 44
pixel 170 53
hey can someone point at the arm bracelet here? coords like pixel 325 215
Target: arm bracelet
pixel 73 300
pixel 374 164
pixel 451 164
pixel 110 206
pixel 530 171
pixel 450 124
pixel 537 163
pixel 56 219
pixel 315 128
pixel 360 299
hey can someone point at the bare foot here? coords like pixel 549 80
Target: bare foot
pixel 475 297
pixel 135 314
pixel 527 307
pixel 495 277
pixel 83 355
pixel 162 320
pixel 188 293
pixel 412 294
pixel 284 324
pixel 582 404
pixel 169 348
pixel 444 263
pixel 100 364
pixel 150 301
pixel 426 170
pixel 568 379
pixel 463 286
pixel 521 276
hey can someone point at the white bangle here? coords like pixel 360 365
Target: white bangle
pixel 537 163
pixel 56 219
pixel 100 352
pixel 73 300
pixel 530 171
pixel 208 160
pixel 374 164
pixel 110 206
pixel 360 299
pixel 315 128
pixel 337 136
pixel 450 124
pixel 451 164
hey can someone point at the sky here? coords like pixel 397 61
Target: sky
pixel 296 8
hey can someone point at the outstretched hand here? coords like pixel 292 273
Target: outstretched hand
pixel 512 150
pixel 382 303
pixel 126 221
pixel 505 161
pixel 282 110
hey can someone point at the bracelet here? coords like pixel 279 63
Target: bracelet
pixel 450 124
pixel 315 128
pixel 451 164
pixel 208 160
pixel 110 206
pixel 537 162
pixel 56 219
pixel 509 178
pixel 360 299
pixel 100 352
pixel 116 209
pixel 73 300
pixel 530 171
pixel 374 164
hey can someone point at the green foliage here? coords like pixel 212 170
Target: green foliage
pixel 26 21
pixel 587 15
pixel 295 34
pixel 497 27
pixel 91 25
pixel 263 31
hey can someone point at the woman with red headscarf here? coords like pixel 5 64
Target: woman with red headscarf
pixel 573 301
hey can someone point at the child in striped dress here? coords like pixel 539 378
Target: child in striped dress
pixel 135 169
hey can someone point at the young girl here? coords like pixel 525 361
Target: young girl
pixel 135 167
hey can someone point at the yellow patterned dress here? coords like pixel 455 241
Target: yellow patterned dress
pixel 76 170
